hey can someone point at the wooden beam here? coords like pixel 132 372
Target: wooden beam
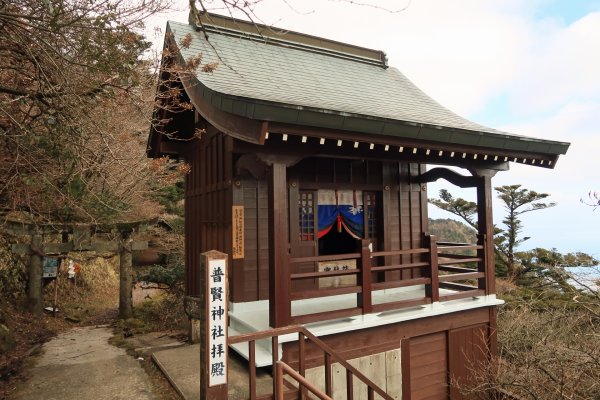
pixel 280 311
pixel 264 131
pixel 453 177
pixel 332 135
pixel 294 147
pixel 177 148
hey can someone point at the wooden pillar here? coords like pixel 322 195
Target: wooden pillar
pixel 280 310
pixel 125 277
pixel 364 297
pixel 432 290
pixel 35 291
pixel 485 227
pixel 214 298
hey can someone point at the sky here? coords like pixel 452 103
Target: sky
pixel 528 67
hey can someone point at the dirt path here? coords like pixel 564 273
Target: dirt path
pixel 81 364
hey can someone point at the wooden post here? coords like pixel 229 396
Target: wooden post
pixel 364 298
pixel 125 276
pixel 433 290
pixel 214 298
pixel 493 332
pixel 481 265
pixel 485 227
pixel 35 294
pixel 280 307
pixel 405 368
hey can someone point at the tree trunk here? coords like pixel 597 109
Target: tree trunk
pixel 35 295
pixel 126 277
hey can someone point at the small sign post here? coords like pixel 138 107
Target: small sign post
pixel 213 325
pixel 50 267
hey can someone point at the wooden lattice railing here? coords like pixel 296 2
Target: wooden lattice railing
pixel 459 267
pixel 283 389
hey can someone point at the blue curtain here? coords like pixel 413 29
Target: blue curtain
pixel 346 216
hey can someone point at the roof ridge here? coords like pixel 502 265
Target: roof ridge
pixel 281 37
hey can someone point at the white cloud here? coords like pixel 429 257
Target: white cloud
pixel 562 66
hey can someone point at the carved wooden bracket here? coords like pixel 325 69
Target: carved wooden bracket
pixel 453 177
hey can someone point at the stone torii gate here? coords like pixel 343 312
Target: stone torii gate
pixel 77 238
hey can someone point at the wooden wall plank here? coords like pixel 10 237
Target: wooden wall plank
pixel 468 350
pixel 384 338
pixel 428 367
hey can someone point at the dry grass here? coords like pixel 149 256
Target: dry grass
pixel 94 290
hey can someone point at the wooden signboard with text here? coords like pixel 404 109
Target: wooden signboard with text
pixel 237 227
pixel 213 326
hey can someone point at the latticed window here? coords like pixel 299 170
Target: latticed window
pixel 370 215
pixel 306 217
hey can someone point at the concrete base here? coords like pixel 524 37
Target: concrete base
pixel 384 369
pixel 181 366
pixel 194 330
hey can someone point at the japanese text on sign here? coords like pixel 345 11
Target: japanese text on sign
pixel 237 213
pixel 217 323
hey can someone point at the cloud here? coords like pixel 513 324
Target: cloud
pixel 561 67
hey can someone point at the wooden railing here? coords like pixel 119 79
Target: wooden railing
pixel 459 267
pixel 282 368
pixel 330 356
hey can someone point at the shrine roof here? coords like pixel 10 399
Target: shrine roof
pixel 267 74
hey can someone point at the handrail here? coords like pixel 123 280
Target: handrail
pixel 302 381
pixel 436 264
pixel 246 337
pixel 324 274
pixel 330 356
pixel 323 346
pixel 332 257
pixel 404 252
pixel 325 292
pixel 399 267
pixel 454 261
pixel 454 244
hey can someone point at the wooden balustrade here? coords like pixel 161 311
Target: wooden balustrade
pixel 279 367
pixel 442 265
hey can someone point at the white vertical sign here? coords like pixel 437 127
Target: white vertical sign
pixel 217 322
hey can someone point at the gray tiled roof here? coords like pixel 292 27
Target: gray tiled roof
pixel 315 79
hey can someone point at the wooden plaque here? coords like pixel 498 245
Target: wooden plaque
pixel 237 227
pixel 216 315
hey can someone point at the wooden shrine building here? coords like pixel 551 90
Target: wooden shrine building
pixel 310 161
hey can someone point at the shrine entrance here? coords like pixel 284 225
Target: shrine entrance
pixel 337 242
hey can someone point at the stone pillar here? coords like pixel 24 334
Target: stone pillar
pixel 35 288
pixel 125 277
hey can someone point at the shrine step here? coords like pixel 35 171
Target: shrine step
pixel 263 355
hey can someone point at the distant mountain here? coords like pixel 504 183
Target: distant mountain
pixel 449 230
